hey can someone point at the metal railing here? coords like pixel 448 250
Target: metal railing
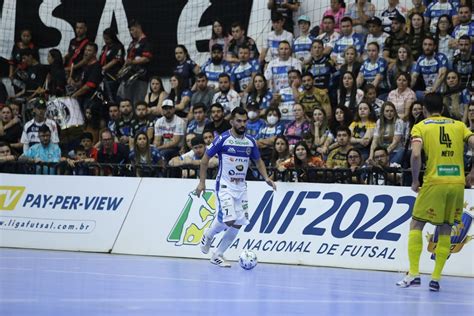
pixel 371 175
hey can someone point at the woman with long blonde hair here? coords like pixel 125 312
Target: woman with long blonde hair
pixel 388 133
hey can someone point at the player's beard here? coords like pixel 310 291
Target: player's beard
pixel 240 131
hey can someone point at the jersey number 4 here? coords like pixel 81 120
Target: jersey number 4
pixel 444 138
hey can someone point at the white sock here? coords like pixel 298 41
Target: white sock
pixel 216 228
pixel 227 240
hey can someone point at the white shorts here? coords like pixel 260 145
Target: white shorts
pixel 233 207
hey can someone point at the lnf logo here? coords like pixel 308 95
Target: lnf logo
pixel 9 197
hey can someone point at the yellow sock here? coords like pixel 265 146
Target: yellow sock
pixel 442 253
pixel 415 244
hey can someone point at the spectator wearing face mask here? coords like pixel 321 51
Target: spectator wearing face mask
pixel 254 123
pixel 269 132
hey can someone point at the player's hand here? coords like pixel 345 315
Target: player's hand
pixel 415 186
pixel 271 183
pixel 200 188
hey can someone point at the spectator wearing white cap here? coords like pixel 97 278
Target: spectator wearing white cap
pixel 302 44
pixel 169 131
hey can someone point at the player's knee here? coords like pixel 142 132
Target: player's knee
pixel 445 229
pixel 415 224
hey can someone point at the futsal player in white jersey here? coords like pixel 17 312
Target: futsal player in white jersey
pixel 234 149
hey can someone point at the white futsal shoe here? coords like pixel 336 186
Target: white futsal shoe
pixel 205 244
pixel 409 280
pixel 220 261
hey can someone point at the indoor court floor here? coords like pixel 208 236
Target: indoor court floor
pixel 47 283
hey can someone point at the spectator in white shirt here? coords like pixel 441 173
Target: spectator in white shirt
pixel 274 38
pixel 277 70
pixel 169 131
pixel 226 96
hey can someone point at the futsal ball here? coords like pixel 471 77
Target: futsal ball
pixel 248 260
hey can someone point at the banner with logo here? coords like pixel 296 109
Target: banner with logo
pixel 63 212
pixel 350 226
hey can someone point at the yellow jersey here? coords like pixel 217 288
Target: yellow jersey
pixel 443 142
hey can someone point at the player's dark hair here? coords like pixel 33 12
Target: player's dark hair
pixel 433 103
pixel 238 110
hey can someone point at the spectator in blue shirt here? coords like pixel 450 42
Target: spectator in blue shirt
pixel 432 67
pixel 374 69
pixel 466 24
pixel 215 66
pixel 45 151
pixel 254 123
pixel 199 120
pixel 348 38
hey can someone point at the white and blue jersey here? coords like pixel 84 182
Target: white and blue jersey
pixel 277 72
pixel 302 47
pixel 286 104
pixel 273 41
pixel 234 157
pixel 429 68
pixel 195 127
pixel 437 9
pixel 464 29
pixel 241 75
pixel 356 40
pixel 213 71
pixel 371 70
pixel 268 131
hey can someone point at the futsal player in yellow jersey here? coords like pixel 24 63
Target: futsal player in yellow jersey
pixel 440 200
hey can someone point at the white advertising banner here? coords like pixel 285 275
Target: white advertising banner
pixel 63 212
pixel 350 226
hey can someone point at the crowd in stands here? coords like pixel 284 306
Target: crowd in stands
pixel 343 94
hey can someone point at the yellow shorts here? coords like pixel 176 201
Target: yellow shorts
pixel 439 204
